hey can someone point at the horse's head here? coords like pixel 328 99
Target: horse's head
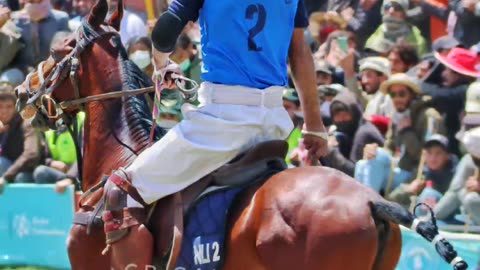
pixel 59 86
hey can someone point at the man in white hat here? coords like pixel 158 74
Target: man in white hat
pixel 465 187
pixel 374 71
pixel 412 122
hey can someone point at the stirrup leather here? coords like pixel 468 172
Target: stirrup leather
pixel 118 218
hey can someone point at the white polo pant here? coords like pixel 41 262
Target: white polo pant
pixel 229 120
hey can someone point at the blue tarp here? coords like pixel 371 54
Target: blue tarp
pixel 34 225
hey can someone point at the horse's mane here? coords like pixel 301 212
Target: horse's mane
pixel 137 111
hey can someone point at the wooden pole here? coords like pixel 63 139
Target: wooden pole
pixel 150 9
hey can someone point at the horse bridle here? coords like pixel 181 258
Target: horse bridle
pixel 86 35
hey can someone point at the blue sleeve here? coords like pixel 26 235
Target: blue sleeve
pixel 186 10
pixel 301 18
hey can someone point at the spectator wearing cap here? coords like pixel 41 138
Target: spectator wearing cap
pixel 324 73
pixel 327 93
pixel 352 133
pixel 412 122
pixel 449 97
pixel 465 186
pixel 439 167
pixel 373 72
pixel 378 47
pixel 468 19
pixel 443 45
pixel 395 26
pixel 291 103
pixel 403 56
pixel 19 142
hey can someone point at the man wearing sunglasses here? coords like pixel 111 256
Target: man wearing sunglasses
pixel 395 27
pixel 412 122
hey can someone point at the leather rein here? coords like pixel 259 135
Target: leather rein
pixel 71 63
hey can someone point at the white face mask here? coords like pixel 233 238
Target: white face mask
pixel 141 58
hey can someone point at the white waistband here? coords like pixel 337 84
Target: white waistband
pixel 210 93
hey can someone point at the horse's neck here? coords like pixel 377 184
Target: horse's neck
pixel 106 131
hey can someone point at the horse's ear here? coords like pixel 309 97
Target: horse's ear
pixel 98 13
pixel 116 18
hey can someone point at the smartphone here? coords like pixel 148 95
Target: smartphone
pixel 343 43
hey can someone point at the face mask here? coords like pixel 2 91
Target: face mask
pixel 393 23
pixel 347 128
pixel 141 58
pixel 38 11
pixel 185 65
pixel 166 124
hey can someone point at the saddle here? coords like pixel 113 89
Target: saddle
pixel 166 216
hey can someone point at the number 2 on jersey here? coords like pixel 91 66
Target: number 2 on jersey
pixel 261 19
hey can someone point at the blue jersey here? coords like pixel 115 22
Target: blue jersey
pixel 244 42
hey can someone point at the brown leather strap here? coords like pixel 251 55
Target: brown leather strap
pixel 123 219
pixel 177 231
pixel 126 186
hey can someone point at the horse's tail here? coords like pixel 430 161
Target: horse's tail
pixel 395 213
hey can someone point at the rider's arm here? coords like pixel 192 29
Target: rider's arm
pixel 170 25
pixel 301 62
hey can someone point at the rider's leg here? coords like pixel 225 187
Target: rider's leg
pixel 129 241
pixel 207 138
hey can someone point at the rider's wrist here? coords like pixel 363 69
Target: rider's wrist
pixel 320 134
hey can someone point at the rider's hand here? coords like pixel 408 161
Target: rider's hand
pixel 317 147
pixel 164 68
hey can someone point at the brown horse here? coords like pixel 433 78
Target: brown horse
pixel 305 218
